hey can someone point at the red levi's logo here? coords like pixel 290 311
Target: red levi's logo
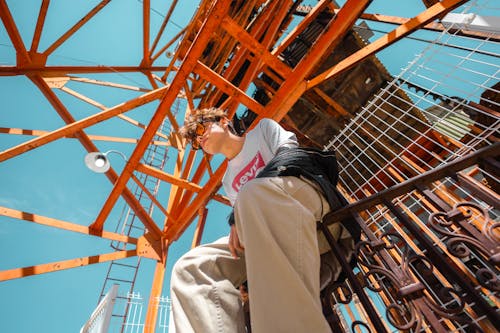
pixel 249 172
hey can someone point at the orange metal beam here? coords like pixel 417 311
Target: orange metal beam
pixel 173 232
pixel 403 30
pixel 73 128
pixel 102 107
pixel 176 194
pixel 163 25
pixel 268 36
pixel 151 196
pixel 185 184
pixel 39 25
pixel 63 70
pixel 168 178
pixel 156 289
pixel 213 21
pixel 258 28
pixel 107 84
pixel 433 26
pixel 166 46
pixel 74 28
pixel 90 147
pixel 22 55
pixel 65 264
pixel 146 9
pixel 320 6
pixel 23 131
pixel 257 48
pixel 43 220
pixel 228 88
pixel 294 86
pixel 202 218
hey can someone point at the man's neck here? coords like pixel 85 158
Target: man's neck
pixel 233 146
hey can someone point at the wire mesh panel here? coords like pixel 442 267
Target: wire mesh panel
pixel 420 166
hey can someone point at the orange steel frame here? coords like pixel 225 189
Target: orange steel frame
pixel 187 197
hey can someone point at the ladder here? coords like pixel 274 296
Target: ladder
pixel 124 272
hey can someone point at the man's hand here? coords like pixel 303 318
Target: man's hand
pixel 234 243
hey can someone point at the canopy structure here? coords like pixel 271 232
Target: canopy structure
pixel 417 147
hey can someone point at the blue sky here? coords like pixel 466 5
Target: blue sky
pixel 53 181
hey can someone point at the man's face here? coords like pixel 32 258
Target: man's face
pixel 213 138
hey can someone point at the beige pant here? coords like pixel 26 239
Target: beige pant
pixel 276 221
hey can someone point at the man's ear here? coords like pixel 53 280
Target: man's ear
pixel 224 122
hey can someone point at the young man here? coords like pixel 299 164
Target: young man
pixel 273 243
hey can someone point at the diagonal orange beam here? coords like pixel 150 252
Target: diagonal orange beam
pixel 185 184
pixel 163 25
pixel 432 26
pixel 257 48
pixel 72 128
pixel 229 88
pixel 262 26
pixel 311 16
pixel 202 218
pixel 213 20
pixel 51 222
pixel 174 231
pixel 74 28
pixel 183 167
pixel 166 46
pixel 403 30
pixel 22 55
pixel 294 86
pixel 39 25
pixel 65 264
pixel 150 195
pixel 90 147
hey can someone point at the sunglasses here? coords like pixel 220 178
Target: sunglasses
pixel 200 130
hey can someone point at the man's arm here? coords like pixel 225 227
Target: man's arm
pixel 234 243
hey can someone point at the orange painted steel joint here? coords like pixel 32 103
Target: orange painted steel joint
pixel 150 247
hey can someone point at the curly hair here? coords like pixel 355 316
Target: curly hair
pixel 188 131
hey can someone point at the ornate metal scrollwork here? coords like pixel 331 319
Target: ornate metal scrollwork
pixel 406 283
pixel 355 324
pixel 389 277
pixel 464 239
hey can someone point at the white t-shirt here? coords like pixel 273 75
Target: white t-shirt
pixel 260 146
